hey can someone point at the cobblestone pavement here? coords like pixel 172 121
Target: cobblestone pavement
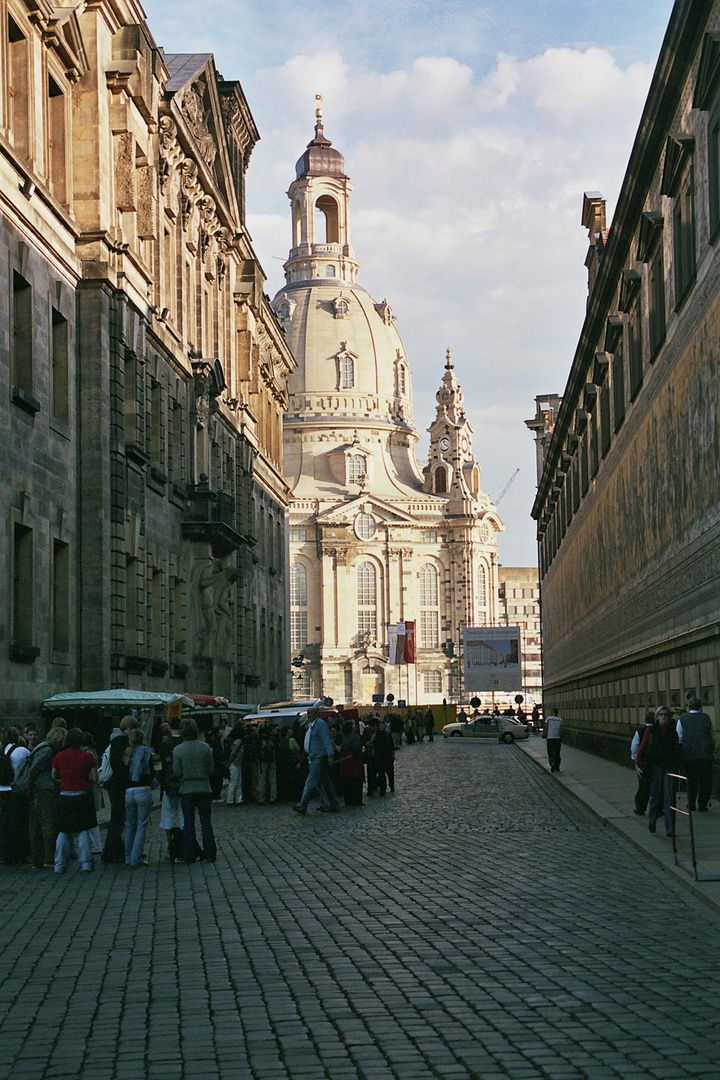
pixel 479 923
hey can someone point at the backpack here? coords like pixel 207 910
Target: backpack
pixel 105 768
pixel 7 773
pixel 21 781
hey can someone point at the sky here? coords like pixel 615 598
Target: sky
pixel 470 131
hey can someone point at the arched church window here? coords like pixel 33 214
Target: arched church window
pixel 296 224
pixel 329 271
pixel 402 382
pixel 482 594
pixel 429 608
pixel 298 607
pixel 356 468
pixel 475 480
pixel 367 600
pixel 440 480
pixel 347 372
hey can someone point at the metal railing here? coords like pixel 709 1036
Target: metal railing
pixel 674 810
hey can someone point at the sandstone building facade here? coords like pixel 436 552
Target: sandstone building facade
pixel 144 374
pixel 374 539
pixel 628 506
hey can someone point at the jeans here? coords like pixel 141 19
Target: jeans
pixel 138 804
pixel 43 830
pixel 64 851
pixel 699 782
pixel 113 850
pixel 319 780
pixel 659 798
pixel 234 791
pixel 203 802
pixel 553 753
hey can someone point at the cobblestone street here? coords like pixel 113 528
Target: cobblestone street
pixel 478 923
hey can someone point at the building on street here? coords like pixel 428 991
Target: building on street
pixel 144 372
pixel 628 504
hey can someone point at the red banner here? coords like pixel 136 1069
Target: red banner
pixel 409 642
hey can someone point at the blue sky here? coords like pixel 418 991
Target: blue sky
pixel 471 131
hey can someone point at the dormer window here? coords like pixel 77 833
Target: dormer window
pixel 340 307
pixel 356 468
pixel 285 308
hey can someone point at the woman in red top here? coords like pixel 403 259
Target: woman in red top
pixel 76 770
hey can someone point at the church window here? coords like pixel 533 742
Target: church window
pixel 428 536
pixel 365 527
pixel 298 534
pixel 432 682
pixel 402 381
pixel 297 223
pixel 440 480
pixel 329 271
pixel 429 608
pixel 347 372
pixel 482 594
pixel 366 599
pixel 298 607
pixel 357 469
pixel 475 480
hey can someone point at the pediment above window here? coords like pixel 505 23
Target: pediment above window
pixel 708 78
pixel 651 225
pixel 678 149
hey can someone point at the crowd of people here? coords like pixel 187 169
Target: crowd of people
pixel 52 786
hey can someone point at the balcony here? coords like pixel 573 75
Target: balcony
pixel 210 517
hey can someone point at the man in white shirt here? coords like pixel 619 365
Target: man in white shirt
pixel 554 729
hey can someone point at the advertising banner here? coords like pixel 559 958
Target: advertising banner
pixel 409 642
pixel 396 641
pixel 491 658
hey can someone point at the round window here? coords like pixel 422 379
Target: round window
pixel 365 526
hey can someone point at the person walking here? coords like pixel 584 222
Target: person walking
pixel 429 725
pixel 76 770
pixel 659 752
pixel 695 734
pixel 554 729
pixel 320 750
pixel 114 849
pixel 140 762
pixel 193 763
pixel 642 794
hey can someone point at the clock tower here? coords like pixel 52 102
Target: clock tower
pixel 452 469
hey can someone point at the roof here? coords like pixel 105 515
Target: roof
pixel 183 68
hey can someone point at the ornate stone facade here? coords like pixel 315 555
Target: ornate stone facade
pixel 146 371
pixel 628 506
pixel 373 538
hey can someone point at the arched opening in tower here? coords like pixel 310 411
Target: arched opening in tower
pixel 326 220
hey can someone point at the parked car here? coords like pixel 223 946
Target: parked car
pixel 502 728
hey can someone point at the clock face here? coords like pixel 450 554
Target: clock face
pixel 444 443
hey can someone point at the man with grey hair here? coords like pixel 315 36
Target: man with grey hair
pixel 320 750
pixel 695 732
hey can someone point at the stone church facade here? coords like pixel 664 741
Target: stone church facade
pixel 374 538
pixel 143 372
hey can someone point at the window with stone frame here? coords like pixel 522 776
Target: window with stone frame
pixel 298 607
pixel 22 336
pixel 18 87
pixel 482 594
pixel 23 587
pixel 57 139
pixel 60 615
pixel 618 384
pixel 60 367
pixel 432 682
pixel 429 608
pixel 366 599
pixel 684 233
pixel 714 169
pixel 635 352
pixel 347 372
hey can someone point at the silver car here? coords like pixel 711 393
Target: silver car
pixel 502 728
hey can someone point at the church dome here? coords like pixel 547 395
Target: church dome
pixel 345 344
pixel 320 159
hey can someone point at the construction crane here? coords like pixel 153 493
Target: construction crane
pixel 505 489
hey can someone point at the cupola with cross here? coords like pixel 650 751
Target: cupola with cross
pixel 320 198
